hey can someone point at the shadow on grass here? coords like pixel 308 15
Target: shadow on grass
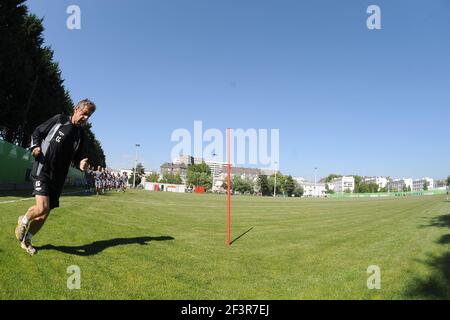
pixel 236 239
pixel 98 246
pixel 440 221
pixel 437 284
pixel 445 239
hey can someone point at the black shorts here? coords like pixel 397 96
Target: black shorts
pixel 44 187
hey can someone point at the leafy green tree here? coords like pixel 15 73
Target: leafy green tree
pixel 358 179
pixel 178 179
pixel 225 185
pixel 170 177
pixel 140 172
pixel 373 187
pixel 93 148
pixel 31 87
pixel 425 186
pixel 241 186
pixel 330 177
pixel 236 184
pixel 249 186
pixel 280 183
pixel 328 190
pixel 364 187
pixel 448 181
pixel 153 177
pixel 299 191
pixel 289 186
pixel 263 185
pixel 199 175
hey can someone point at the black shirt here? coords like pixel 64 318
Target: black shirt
pixel 61 143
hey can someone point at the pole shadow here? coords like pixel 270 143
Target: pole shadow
pixel 98 246
pixel 236 239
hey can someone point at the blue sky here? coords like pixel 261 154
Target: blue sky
pixel 346 99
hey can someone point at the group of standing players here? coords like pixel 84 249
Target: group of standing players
pixel 102 179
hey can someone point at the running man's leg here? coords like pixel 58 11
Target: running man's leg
pixel 41 208
pixel 37 224
pixel 34 228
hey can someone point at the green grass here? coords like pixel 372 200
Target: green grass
pixel 145 245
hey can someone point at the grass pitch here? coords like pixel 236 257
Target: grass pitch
pixel 145 245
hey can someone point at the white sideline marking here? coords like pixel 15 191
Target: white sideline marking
pixel 18 200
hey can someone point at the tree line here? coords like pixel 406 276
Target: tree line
pixel 31 87
pixel 200 175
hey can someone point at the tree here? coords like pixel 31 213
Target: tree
pixel 169 177
pixel 93 148
pixel 140 172
pixel 263 185
pixel 361 186
pixel 289 186
pixel 425 186
pixel 328 190
pixel 199 175
pixel 280 183
pixel 299 191
pixel 249 186
pixel 236 184
pixel 358 179
pixel 448 181
pixel 225 185
pixel 240 186
pixel 153 177
pixel 330 177
pixel 364 187
pixel 31 87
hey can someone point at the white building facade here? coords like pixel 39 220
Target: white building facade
pixel 311 189
pixel 419 184
pixel 342 184
pixel 399 185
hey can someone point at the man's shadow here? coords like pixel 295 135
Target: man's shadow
pixel 98 246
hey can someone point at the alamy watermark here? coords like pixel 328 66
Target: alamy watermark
pixel 74 280
pixel 374 20
pixel 73 21
pixel 259 147
pixel 374 280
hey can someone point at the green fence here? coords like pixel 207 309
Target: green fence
pixel 388 194
pixel 16 164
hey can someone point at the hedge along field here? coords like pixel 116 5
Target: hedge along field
pixel 146 245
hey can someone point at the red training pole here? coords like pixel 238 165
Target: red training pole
pixel 229 188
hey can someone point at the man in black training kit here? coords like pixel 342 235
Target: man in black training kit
pixel 55 144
